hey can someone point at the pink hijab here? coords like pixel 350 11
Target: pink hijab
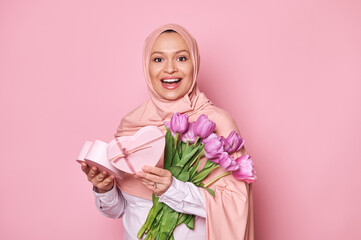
pixel 229 213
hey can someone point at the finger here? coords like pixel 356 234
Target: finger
pixel 146 182
pixel 149 177
pixel 156 170
pixel 85 168
pixel 101 176
pixel 106 182
pixel 93 171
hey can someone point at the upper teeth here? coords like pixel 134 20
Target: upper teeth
pixel 171 80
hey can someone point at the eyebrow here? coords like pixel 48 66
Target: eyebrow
pixel 175 52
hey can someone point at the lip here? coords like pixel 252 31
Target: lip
pixel 169 77
pixel 170 86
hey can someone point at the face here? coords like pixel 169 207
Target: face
pixel 170 66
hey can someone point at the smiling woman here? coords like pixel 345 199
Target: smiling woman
pixel 170 66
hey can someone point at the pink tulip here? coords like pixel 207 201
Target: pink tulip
pixel 246 170
pixel 225 160
pixel 203 127
pixel 234 142
pixel 213 148
pixel 189 135
pixel 168 126
pixel 212 135
pixel 233 166
pixel 179 123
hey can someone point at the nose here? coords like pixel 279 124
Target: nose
pixel 170 67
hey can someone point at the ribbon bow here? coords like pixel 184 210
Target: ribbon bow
pixel 125 152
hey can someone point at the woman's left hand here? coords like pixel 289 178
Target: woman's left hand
pixel 158 180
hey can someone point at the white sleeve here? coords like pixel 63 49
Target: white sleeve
pixel 184 197
pixel 111 204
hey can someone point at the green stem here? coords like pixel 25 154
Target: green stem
pixel 196 141
pixel 197 157
pixel 176 140
pixel 217 178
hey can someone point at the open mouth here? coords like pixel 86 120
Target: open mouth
pixel 171 83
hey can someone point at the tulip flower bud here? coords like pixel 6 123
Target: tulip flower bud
pixel 234 142
pixel 179 123
pixel 246 170
pixel 213 148
pixel 225 160
pixel 212 135
pixel 189 135
pixel 203 127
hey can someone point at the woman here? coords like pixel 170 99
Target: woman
pixel 171 65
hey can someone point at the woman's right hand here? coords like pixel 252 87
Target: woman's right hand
pixel 101 181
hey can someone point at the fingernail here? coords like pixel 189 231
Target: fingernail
pixel 140 174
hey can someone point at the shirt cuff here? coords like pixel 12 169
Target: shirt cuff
pixel 109 196
pixel 184 197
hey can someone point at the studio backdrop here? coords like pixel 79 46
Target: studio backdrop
pixel 289 72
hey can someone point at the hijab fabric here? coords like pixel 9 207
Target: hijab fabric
pixel 157 109
pixel 229 213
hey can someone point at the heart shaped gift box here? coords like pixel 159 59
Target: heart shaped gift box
pixel 126 153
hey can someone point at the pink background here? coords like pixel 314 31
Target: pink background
pixel 289 72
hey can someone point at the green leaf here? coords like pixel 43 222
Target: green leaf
pixel 186 156
pixel 190 223
pixel 175 171
pixel 193 169
pixel 168 150
pixel 183 176
pixel 209 164
pixel 199 184
pixel 202 174
pixel 210 191
pixel 176 159
pixel 184 145
pixel 156 208
pixel 182 218
pixel 168 223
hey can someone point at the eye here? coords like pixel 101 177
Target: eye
pixel 157 59
pixel 182 59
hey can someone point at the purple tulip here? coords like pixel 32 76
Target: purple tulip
pixel 203 127
pixel 179 123
pixel 233 166
pixel 234 142
pixel 213 148
pixel 246 170
pixel 189 135
pixel 225 160
pixel 212 135
pixel 168 126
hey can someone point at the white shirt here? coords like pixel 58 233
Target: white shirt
pixel 181 196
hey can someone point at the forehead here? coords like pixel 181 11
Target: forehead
pixel 169 42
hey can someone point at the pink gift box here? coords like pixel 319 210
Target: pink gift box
pixel 125 154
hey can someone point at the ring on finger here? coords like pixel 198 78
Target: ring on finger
pixel 155 185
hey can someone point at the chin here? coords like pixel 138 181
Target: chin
pixel 171 96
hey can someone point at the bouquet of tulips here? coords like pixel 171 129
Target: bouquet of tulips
pixel 186 144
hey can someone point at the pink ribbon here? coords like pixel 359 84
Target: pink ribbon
pixel 124 152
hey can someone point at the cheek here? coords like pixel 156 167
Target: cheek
pixel 189 72
pixel 153 73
